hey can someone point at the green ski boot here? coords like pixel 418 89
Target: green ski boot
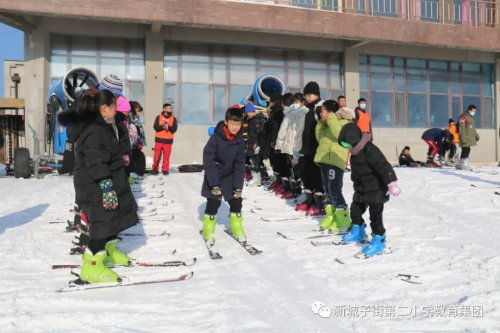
pixel 342 221
pixel 208 227
pixel 93 268
pixel 329 218
pixel 131 180
pixel 115 256
pixel 236 223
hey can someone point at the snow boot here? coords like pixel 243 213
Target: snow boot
pixel 464 164
pixel 328 219
pixel 209 222
pixel 341 222
pixel 236 223
pixel 356 235
pixel 115 256
pixel 377 246
pixel 93 269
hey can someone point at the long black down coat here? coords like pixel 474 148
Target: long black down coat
pixel 370 171
pixel 223 163
pixel 98 156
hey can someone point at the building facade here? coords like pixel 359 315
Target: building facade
pixel 417 62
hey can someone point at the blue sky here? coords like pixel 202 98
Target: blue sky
pixel 11 47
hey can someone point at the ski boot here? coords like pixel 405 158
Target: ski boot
pixel 236 223
pixel 255 180
pixel 306 203
pixel 292 192
pixel 275 183
pixel 317 208
pixel 208 231
pixel 329 218
pixel 377 246
pixel 356 235
pixel 115 256
pixel 284 188
pixel 341 222
pixel 93 268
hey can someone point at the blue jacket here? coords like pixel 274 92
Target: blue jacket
pixel 223 163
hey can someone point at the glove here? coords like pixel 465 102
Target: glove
pixel 256 149
pixel 215 190
pixel 109 197
pixel 126 159
pixel 237 193
pixel 165 127
pixel 393 189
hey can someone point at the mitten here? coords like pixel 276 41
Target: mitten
pixel 393 189
pixel 109 197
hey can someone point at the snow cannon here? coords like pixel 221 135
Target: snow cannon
pixel 263 87
pixel 63 93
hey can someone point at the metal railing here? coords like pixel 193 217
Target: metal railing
pixel 479 13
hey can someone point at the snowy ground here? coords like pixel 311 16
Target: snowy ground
pixel 441 229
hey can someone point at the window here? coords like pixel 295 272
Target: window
pixel 123 57
pixel 203 80
pixel 410 92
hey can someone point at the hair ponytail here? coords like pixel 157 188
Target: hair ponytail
pixel 92 99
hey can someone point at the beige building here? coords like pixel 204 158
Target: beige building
pixel 417 62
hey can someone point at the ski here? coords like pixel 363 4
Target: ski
pixel 167 218
pixel 79 285
pixel 135 263
pixel 249 248
pixel 146 210
pixel 332 242
pixel 214 255
pixel 497 192
pixel 484 186
pixel 281 219
pixel 132 234
pixel 361 255
pixel 312 236
pixel 409 278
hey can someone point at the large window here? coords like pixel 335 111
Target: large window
pixel 202 80
pixel 123 57
pixel 409 92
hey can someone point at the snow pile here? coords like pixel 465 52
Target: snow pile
pixel 443 274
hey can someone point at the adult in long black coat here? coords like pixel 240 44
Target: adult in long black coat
pixel 98 156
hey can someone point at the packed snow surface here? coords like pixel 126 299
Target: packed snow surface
pixel 442 231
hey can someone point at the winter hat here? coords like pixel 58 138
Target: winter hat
pixel 350 134
pixel 311 88
pixel 249 108
pixel 406 147
pixel 450 121
pixel 112 83
pixel 122 104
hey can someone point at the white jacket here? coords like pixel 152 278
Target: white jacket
pixel 290 134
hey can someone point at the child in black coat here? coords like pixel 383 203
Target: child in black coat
pixel 373 180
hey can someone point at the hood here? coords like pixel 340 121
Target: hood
pixel 71 117
pixel 345 113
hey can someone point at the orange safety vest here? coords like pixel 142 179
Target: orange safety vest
pixel 453 130
pixel 164 135
pixel 364 122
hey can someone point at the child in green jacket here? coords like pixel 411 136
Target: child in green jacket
pixel 332 159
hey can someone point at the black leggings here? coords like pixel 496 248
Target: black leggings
pixel 376 217
pixel 213 205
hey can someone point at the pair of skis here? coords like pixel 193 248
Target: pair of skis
pixel 214 255
pixel 78 284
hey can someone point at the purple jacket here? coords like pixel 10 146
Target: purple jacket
pixel 223 163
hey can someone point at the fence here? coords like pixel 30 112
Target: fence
pixel 481 13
